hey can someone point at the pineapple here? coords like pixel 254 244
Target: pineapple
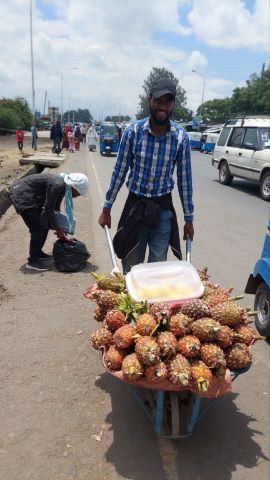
pixel 99 314
pixel 106 299
pixel 146 324
pixel 124 336
pixel 205 329
pixel 225 337
pixel 167 343
pixel 179 371
pixel 114 358
pixel 189 346
pixel 130 309
pixel 201 374
pixel 132 368
pixel 101 338
pixel 156 373
pixel 114 319
pixel 220 295
pixel 212 355
pixel 229 313
pixel 196 309
pixel 147 350
pixel 179 324
pixel 203 274
pixel 238 356
pixel 245 334
pixel 115 282
pixel 161 311
pixel 208 289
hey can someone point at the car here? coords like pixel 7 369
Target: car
pixel 259 285
pixel 243 150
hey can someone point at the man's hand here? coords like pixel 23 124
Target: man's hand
pixel 105 218
pixel 188 231
pixel 61 235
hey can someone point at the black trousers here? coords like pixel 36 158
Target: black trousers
pixel 38 232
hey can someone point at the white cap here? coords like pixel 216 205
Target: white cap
pixel 79 181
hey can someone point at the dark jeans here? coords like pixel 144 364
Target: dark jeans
pixel 38 232
pixel 20 145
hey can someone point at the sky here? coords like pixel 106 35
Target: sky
pixel 96 54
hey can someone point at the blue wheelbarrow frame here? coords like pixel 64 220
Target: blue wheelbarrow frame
pixel 259 285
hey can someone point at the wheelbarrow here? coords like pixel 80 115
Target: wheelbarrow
pixel 172 409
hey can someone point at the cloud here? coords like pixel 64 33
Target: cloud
pixel 114 45
pixel 229 23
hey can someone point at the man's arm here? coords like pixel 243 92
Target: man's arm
pixel 184 182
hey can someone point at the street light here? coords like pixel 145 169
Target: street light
pixel 62 87
pixel 203 76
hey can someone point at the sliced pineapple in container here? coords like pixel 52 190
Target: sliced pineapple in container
pixel 164 282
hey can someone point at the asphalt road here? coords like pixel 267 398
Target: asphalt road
pixel 62 416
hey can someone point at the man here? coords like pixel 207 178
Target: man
pixel 150 150
pixel 20 138
pixel 37 199
pixel 57 136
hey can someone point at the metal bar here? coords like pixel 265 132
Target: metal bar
pixel 188 250
pixel 159 411
pixel 195 414
pixel 110 245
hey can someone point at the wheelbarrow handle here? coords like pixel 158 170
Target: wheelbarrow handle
pixel 112 253
pixel 188 249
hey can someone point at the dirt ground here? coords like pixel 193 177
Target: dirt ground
pixel 10 168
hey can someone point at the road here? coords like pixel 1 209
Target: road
pixel 61 416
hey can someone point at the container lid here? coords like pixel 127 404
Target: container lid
pixel 164 282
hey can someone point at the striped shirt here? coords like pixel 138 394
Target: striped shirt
pixel 151 161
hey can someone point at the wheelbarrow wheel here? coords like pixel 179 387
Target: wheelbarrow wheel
pixel 178 410
pixel 262 306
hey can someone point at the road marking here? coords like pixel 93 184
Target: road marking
pixel 98 184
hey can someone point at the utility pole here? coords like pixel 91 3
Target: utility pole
pixel 34 128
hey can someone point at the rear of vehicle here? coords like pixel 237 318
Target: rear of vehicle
pixel 243 150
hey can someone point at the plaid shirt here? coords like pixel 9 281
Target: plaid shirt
pixel 151 161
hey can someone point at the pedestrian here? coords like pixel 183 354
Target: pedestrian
pixel 150 150
pixel 77 136
pixel 71 141
pixel 57 136
pixel 34 136
pixel 20 138
pixel 84 132
pixel 37 199
pixel 65 142
pixel 92 139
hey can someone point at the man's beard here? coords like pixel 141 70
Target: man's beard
pixel 158 121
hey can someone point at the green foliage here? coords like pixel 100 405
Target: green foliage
pixel 117 118
pixel 180 100
pixel 80 115
pixel 217 110
pixel 252 99
pixel 15 114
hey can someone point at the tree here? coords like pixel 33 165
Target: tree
pixel 15 113
pixel 81 115
pixel 117 118
pixel 156 74
pixel 215 111
pixel 254 98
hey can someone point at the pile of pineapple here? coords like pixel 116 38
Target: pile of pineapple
pixel 188 344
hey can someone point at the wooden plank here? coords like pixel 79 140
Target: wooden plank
pixel 45 163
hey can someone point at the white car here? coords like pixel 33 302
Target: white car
pixel 243 150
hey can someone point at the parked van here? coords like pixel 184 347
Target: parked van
pixel 243 150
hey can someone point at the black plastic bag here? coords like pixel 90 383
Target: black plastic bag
pixel 70 256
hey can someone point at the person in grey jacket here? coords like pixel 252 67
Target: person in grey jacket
pixel 36 198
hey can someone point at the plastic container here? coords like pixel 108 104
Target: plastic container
pixel 164 282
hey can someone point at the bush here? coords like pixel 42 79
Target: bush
pixel 9 120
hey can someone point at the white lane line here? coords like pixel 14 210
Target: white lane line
pixel 98 184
